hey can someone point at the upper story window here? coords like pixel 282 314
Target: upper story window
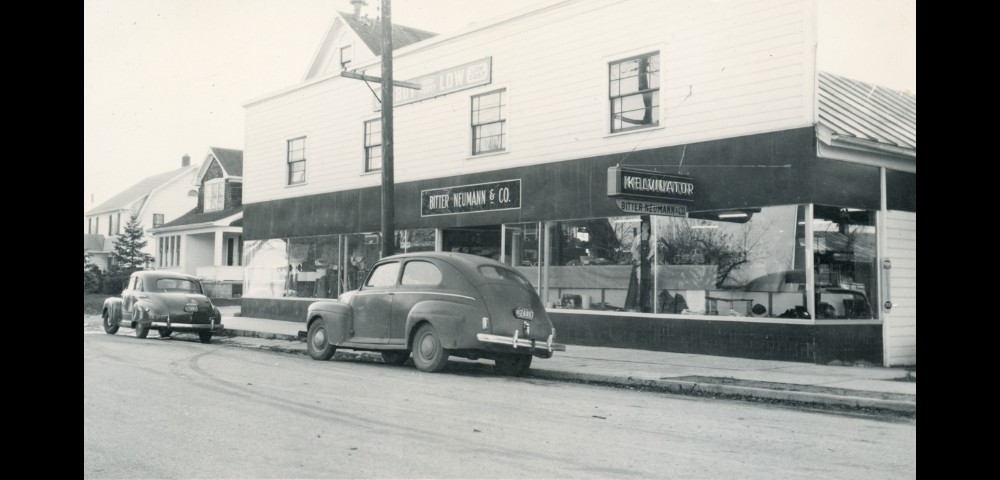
pixel 634 90
pixel 297 161
pixel 373 145
pixel 215 197
pixel 157 219
pixel 489 122
pixel 346 56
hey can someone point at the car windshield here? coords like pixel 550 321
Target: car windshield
pixel 500 273
pixel 177 285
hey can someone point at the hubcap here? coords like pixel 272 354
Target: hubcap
pixel 427 346
pixel 319 339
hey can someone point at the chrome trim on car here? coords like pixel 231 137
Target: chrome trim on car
pixel 417 292
pixel 521 342
pixel 189 326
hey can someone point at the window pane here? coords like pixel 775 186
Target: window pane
pixel 297 172
pixel 383 275
pixel 421 273
pixel 844 249
pixel 374 158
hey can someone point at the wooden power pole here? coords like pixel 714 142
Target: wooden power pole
pixel 388 182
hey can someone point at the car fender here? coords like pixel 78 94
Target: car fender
pixel 456 323
pixel 146 310
pixel 339 318
pixel 113 305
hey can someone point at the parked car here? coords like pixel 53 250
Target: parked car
pixel 169 302
pixel 434 305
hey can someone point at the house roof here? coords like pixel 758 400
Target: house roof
pixel 140 190
pixel 370 31
pixel 193 218
pixel 867 112
pixel 93 242
pixel 231 160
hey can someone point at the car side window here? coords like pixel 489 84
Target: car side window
pixel 383 275
pixel 138 284
pixel 419 273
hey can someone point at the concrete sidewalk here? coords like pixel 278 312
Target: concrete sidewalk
pixel 845 386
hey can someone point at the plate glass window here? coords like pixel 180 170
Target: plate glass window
pixel 489 122
pixel 635 92
pixel 373 145
pixel 297 161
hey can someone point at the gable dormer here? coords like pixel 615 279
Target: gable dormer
pixel 220 181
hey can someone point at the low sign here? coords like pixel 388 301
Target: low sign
pixel 472 74
pixel 480 197
pixel 650 208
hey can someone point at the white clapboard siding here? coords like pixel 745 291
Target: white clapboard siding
pixel 901 324
pixel 728 68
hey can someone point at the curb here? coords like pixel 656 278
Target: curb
pixel 673 386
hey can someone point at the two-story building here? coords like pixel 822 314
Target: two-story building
pixel 154 200
pixel 207 241
pixel 671 176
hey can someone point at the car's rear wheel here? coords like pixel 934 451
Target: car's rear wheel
pixel 395 357
pixel 141 329
pixel 513 365
pixel 205 337
pixel 110 327
pixel 165 332
pixel 318 343
pixel 428 354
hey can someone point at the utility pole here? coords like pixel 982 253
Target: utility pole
pixel 388 182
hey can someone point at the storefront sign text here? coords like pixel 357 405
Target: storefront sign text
pixel 630 183
pixel 472 74
pixel 650 208
pixel 482 197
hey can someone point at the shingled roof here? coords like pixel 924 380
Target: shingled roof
pixel 194 218
pixel 231 160
pixel 370 31
pixel 138 191
pixel 867 112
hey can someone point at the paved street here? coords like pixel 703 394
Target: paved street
pixel 180 409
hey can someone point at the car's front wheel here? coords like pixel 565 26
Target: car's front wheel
pixel 110 327
pixel 141 329
pixel 318 343
pixel 205 337
pixel 513 365
pixel 428 354
pixel 395 357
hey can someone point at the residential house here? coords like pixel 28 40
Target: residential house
pixel 155 200
pixel 207 241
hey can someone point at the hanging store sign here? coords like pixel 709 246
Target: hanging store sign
pixel 472 74
pixel 650 208
pixel 634 184
pixel 480 197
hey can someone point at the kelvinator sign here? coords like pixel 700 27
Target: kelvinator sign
pixel 480 197
pixel 648 192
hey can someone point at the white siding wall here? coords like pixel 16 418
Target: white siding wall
pixel 171 200
pixel 728 69
pixel 901 322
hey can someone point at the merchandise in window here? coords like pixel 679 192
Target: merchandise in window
pixel 634 89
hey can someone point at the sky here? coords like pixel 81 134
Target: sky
pixel 164 78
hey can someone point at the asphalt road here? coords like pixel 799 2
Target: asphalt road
pixel 175 408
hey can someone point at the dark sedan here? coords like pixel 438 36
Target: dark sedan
pixel 435 305
pixel 169 302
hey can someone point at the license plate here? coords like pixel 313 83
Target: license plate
pixel 525 313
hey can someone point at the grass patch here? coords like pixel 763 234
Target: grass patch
pixel 93 302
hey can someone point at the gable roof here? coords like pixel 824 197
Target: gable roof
pixel 139 191
pixel 194 218
pixel 370 31
pixel 231 160
pixel 93 242
pixel 867 112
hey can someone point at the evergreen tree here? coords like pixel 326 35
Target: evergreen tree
pixel 128 247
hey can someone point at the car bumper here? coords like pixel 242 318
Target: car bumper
pixel 196 327
pixel 536 347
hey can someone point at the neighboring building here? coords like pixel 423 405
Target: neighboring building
pixel 671 176
pixel 208 240
pixel 99 249
pixel 155 200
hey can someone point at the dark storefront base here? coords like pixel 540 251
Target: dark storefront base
pixel 820 344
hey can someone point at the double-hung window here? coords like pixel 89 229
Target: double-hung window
pixel 297 161
pixel 214 194
pixel 489 122
pixel 635 92
pixel 373 145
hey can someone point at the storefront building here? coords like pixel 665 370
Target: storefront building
pixel 694 185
